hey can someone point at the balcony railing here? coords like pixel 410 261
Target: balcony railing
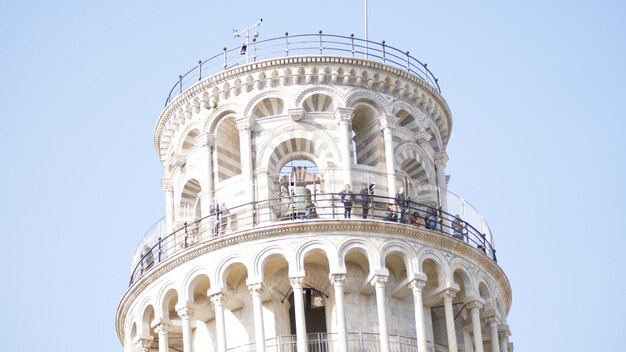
pixel 300 45
pixel 327 342
pixel 323 207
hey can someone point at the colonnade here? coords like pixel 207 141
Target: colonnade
pixel 498 337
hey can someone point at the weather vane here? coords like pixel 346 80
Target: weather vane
pixel 237 34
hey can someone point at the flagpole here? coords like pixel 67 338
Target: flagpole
pixel 366 29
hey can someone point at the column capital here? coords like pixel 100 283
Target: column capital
pixel 475 305
pixel 205 140
pixel 422 137
pixel 245 123
pixel 448 293
pixel 166 185
pixel 217 299
pixel 337 280
pixel 387 122
pixel 162 329
pixel 296 282
pixel 256 287
pixel 296 114
pixel 185 313
pixel 417 285
pixel 344 115
pixel 441 158
pixel 379 280
pixel 143 343
pixel 491 321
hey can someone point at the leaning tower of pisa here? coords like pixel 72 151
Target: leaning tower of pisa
pixel 262 248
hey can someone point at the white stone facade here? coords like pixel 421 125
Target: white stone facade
pixel 265 283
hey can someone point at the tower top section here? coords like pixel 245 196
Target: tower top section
pixel 309 59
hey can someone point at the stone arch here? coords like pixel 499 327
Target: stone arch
pixel 305 94
pixel 189 141
pixel 375 99
pixel 408 118
pixel 268 253
pixel 222 267
pixel 484 291
pixel 268 94
pixel 316 264
pixel 223 111
pixel 404 251
pixel 461 277
pixel 411 161
pixel 316 244
pixel 360 245
pixel 147 317
pixel 438 263
pixel 234 275
pixel 435 142
pixel 275 272
pixel 271 106
pixel 189 200
pixel 166 298
pixel 326 149
pixel 164 289
pixel 227 145
pixel 367 135
pixel 197 287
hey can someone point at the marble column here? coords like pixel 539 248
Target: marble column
pixel 448 296
pixel 257 304
pixel 441 159
pixel 337 281
pixel 475 308
pixel 504 343
pixel 245 126
pixel 420 331
pixel 388 126
pixel 162 330
pixel 220 326
pixel 185 315
pixel 170 212
pixel 344 119
pixel 298 301
pixel 206 141
pixel 492 322
pixel 379 282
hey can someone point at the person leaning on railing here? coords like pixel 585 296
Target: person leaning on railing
pixel 347 198
pixel 366 199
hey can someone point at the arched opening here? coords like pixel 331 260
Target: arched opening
pixel 189 206
pixel 314 312
pixel 367 137
pixel 189 142
pixel 227 149
pixel 318 103
pixel 269 107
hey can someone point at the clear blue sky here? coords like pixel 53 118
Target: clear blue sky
pixel 537 92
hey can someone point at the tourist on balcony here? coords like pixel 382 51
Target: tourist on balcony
pixel 366 199
pixel 212 219
pixel 401 205
pixel 223 216
pixel 309 210
pixel 347 198
pixel 458 228
pixel 431 217
pixel 415 219
pixel 391 214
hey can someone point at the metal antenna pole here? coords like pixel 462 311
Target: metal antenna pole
pixel 366 29
pixel 236 34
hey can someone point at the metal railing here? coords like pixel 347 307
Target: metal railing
pixel 322 207
pixel 300 45
pixel 326 342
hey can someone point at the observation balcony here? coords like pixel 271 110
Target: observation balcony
pixel 459 220
pixel 303 45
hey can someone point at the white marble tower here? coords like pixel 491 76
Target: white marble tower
pixel 255 251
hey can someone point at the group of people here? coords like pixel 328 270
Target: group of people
pixel 218 218
pixel 348 199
